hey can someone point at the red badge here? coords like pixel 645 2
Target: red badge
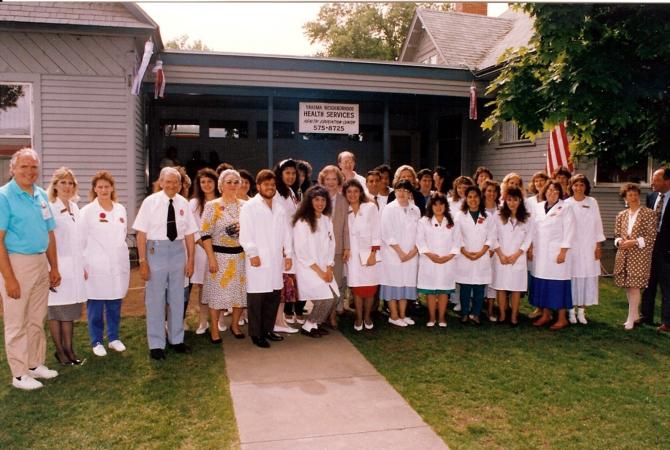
pixel 450 226
pixel 181 212
pixel 102 215
pixel 480 220
pixel 121 220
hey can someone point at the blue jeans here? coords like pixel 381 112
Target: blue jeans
pixel 95 309
pixel 476 291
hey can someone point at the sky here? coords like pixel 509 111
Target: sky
pixel 265 28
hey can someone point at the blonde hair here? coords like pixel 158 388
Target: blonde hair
pixel 400 170
pixel 102 175
pixel 511 176
pixel 334 169
pixel 60 174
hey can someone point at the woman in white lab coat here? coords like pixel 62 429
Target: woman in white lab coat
pixel 65 301
pixel 474 265
pixel 399 253
pixel 438 243
pixel 106 261
pixel 205 190
pixel 491 193
pixel 586 252
pixel 514 235
pixel 314 247
pixel 535 187
pixel 365 242
pixel 554 235
pixel 456 197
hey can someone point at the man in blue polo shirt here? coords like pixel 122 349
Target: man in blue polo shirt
pixel 29 268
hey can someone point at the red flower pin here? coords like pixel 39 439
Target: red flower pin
pixel 450 226
pixel 480 220
pixel 121 220
pixel 102 215
pixel 181 212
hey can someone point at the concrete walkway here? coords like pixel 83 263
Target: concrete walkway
pixel 306 393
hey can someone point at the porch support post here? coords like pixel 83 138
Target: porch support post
pixel 387 133
pixel 270 130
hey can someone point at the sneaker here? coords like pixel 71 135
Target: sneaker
pixel 408 320
pixel 99 350
pixel 279 329
pixel 443 324
pixel 368 325
pixel 398 322
pixel 202 329
pixel 117 346
pixel 26 383
pixel 430 324
pixel 42 371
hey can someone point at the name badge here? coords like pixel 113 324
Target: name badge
pixel 46 212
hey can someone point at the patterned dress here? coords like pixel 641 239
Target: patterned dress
pixel 226 288
pixel 633 266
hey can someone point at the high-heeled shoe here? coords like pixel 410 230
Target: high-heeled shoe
pixel 63 363
pixel 215 341
pixel 237 335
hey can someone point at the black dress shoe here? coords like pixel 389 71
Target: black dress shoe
pixel 274 336
pixel 313 333
pixel 215 341
pixel 67 362
pixel 260 342
pixel 237 335
pixel 322 331
pixel 157 353
pixel 181 348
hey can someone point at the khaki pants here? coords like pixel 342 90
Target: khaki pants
pixel 25 341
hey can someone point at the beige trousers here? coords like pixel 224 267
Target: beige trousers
pixel 25 341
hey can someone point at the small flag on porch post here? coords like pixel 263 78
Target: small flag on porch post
pixel 558 150
pixel 473 102
pixel 159 84
pixel 137 82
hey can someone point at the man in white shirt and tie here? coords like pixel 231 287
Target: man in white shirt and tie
pixel 163 224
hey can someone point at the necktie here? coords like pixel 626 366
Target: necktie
pixel 659 208
pixel 376 202
pixel 171 223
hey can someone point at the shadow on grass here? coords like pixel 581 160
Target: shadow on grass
pixel 124 400
pixel 593 386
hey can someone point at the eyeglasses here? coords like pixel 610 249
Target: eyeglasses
pixel 232 182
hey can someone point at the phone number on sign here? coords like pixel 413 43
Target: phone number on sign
pixel 327 128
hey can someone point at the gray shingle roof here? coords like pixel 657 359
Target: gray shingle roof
pixel 470 40
pixel 72 13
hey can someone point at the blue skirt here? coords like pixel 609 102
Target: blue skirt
pixel 552 294
pixel 397 293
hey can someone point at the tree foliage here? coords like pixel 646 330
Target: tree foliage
pixel 184 42
pixel 605 68
pixel 364 30
pixel 9 95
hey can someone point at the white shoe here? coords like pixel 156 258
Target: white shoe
pixel 241 322
pixel 408 320
pixel 581 316
pixel 629 325
pixel 99 350
pixel 358 327
pixel 398 322
pixel 225 313
pixel 26 383
pixel 572 318
pixel 186 328
pixel 300 321
pixel 278 329
pixel 117 346
pixel 457 308
pixel 202 329
pixel 222 327
pixel 42 371
pixel 368 326
pixel 289 318
pixel 493 319
pixel 430 324
pixel 443 324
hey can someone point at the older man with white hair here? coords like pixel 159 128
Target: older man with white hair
pixel 29 268
pixel 163 223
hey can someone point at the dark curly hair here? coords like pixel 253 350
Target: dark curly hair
pixel 482 206
pixel 282 188
pixel 437 198
pixel 306 210
pixel 521 213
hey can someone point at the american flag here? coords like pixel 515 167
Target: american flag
pixel 558 150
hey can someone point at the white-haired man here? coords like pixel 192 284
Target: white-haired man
pixel 29 268
pixel 163 224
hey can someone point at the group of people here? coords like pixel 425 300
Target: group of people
pixel 266 247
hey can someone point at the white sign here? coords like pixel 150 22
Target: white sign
pixel 335 118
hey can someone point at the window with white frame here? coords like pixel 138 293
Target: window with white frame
pixel 15 122
pixel 510 133
pixel 611 172
pixel 432 59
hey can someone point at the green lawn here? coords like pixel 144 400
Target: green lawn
pixel 123 400
pixel 593 386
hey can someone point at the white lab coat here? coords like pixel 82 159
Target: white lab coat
pixel 290 205
pixel 398 225
pixel 200 266
pixel 364 233
pixel 264 232
pixel 474 236
pixel 442 239
pixel 318 248
pixel 106 253
pixel 590 225
pixel 70 248
pixel 511 237
pixel 552 232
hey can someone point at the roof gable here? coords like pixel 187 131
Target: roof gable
pixel 75 13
